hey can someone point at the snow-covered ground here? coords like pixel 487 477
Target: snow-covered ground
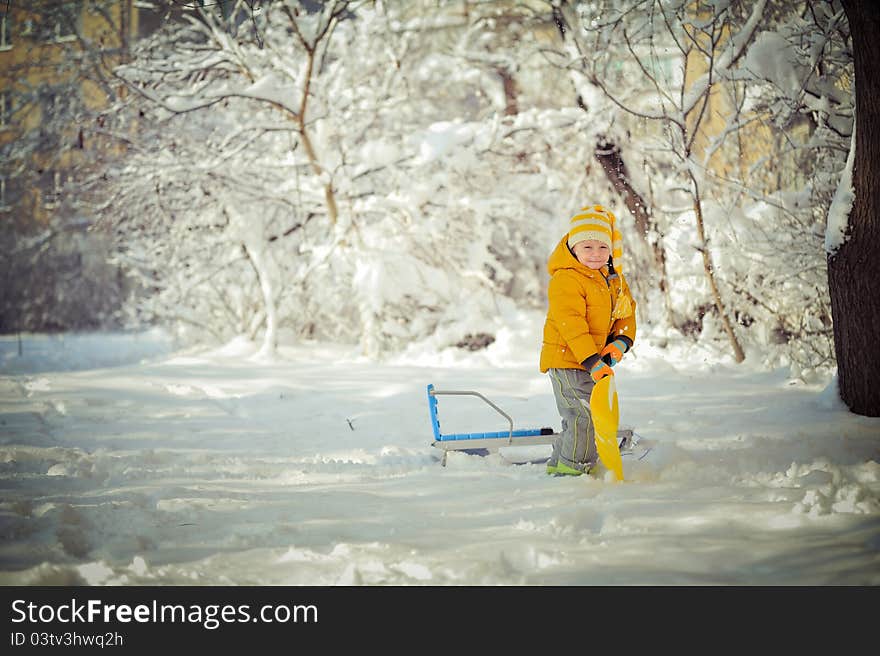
pixel 125 462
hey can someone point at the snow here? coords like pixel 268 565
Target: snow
pixel 129 460
pixel 841 204
pixel 126 461
pixel 440 138
pixel 771 58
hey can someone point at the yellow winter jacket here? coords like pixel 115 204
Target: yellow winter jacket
pixel 587 309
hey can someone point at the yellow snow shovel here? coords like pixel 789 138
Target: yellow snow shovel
pixel 603 407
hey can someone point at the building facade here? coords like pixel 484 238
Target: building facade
pixel 56 59
pixel 56 85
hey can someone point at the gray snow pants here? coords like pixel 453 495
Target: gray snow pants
pixel 576 446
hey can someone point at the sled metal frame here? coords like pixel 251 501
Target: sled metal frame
pixel 482 443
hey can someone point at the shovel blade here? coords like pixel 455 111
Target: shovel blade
pixel 603 407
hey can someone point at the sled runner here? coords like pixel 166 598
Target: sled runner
pixel 484 443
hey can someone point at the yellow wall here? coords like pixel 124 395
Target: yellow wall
pixel 35 58
pixel 756 153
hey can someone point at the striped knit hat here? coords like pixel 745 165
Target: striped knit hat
pixel 596 222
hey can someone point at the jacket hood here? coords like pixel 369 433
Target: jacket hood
pixel 562 258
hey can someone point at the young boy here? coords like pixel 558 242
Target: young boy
pixel 590 324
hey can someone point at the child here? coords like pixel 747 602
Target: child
pixel 590 324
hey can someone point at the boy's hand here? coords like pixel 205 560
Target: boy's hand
pixel 613 352
pixel 600 370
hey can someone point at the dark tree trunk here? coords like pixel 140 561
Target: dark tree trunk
pixel 854 270
pixel 511 92
pixel 609 157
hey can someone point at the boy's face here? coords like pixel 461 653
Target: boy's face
pixel 591 253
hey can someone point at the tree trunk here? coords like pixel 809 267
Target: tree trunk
pixel 854 269
pixel 270 337
pixel 320 171
pixel 709 269
pixel 511 91
pixel 609 156
pixel 317 168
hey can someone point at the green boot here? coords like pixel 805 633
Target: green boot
pixel 561 469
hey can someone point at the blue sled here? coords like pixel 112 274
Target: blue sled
pixel 484 443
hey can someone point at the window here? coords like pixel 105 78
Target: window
pixel 49 99
pixel 52 191
pixel 4 199
pixel 57 22
pixel 5 31
pixel 5 109
pixel 65 22
pixel 58 104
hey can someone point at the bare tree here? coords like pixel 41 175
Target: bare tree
pixel 733 128
pixel 231 57
pixel 609 156
pixel 683 107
